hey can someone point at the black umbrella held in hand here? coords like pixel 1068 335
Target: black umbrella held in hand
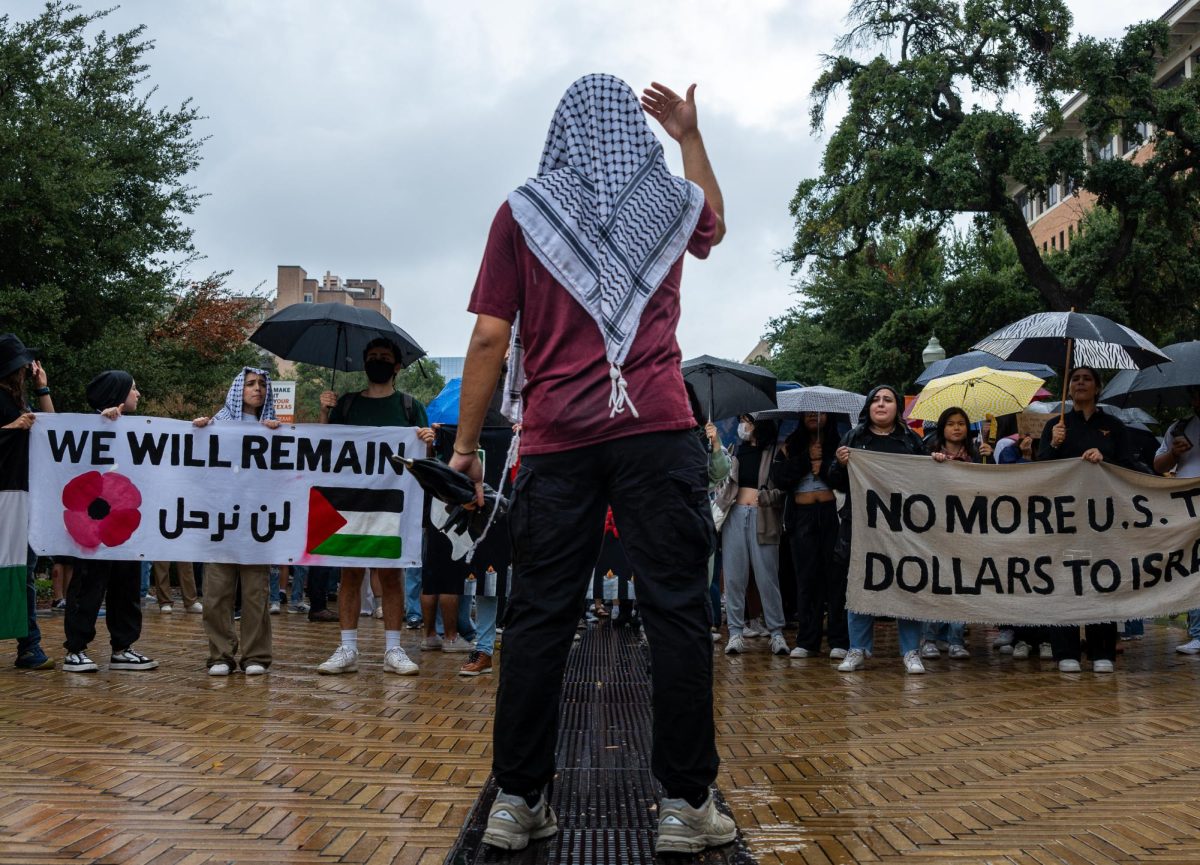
pixel 456 491
pixel 727 388
pixel 333 335
pixel 1163 386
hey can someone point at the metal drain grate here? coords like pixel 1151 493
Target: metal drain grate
pixel 604 795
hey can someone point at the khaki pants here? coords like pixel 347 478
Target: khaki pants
pixel 220 589
pixel 162 582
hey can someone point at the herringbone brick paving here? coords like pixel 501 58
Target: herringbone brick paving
pixel 985 761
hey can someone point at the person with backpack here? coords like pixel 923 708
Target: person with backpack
pixel 380 404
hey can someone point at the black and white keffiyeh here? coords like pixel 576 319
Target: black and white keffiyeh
pixel 604 214
pixel 234 404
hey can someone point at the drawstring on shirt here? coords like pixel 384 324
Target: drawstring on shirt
pixel 619 399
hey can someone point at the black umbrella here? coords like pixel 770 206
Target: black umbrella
pixel 975 359
pixel 726 388
pixel 331 335
pixel 1158 386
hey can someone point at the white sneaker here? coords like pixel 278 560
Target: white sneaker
pixel 343 660
pixel 219 669
pixel 377 611
pixel 255 670
pixel 855 660
pixel 837 654
pixel 1004 638
pixel 196 607
pixel 396 661
pixel 1046 652
pixel 274 609
pixel 1102 666
pixel 1192 647
pixel 165 608
pixel 961 653
pixel 736 645
pixel 912 663
pixel 512 823
pixel 458 644
pixel 1069 665
pixel 779 645
pixel 755 628
pixel 1021 650
pixel 684 829
pixel 930 650
pixel 801 652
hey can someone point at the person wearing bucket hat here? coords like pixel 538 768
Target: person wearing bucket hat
pixel 115 584
pixel 18 364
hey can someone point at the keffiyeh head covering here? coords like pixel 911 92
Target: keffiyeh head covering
pixel 232 410
pixel 604 214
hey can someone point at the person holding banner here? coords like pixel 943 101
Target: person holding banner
pixel 1088 433
pixel 881 429
pixel 1179 453
pixel 18 365
pixel 116 585
pixel 379 405
pixel 249 400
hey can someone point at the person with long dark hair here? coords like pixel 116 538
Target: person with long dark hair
pixel 810 522
pixel 881 429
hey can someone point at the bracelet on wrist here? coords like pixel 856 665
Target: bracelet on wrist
pixel 42 391
pixel 466 453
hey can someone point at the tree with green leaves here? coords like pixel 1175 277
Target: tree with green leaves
pixel 93 201
pixel 917 146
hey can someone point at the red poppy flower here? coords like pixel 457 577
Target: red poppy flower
pixel 101 509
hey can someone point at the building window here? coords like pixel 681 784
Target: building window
pixel 1062 244
pixel 1071 231
pixel 1052 194
pixel 1068 187
pixel 1108 150
pixel 1043 246
pixel 1022 201
pixel 1053 242
pixel 308 298
pixel 1173 80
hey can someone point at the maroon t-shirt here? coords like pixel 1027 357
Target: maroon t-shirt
pixel 567 384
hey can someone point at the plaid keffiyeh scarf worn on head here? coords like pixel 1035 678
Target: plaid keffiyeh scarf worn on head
pixel 232 410
pixel 605 215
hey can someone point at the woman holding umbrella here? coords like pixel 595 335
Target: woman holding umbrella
pixel 1086 433
pixel 880 429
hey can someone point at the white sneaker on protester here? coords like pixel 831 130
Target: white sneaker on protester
pixel 458 644
pixel 274 609
pixel 1021 650
pixel 195 607
pixel 912 663
pixel 779 645
pixel 255 670
pixel 512 823
pixel 736 645
pixel 396 660
pixel 165 608
pixel 837 654
pixel 1192 647
pixel 755 628
pixel 856 659
pixel 1004 638
pixel 1069 665
pixel 1046 652
pixel 343 660
pixel 219 669
pixel 1102 666
pixel 959 652
pixel 801 652
pixel 684 829
pixel 79 662
pixel 128 659
pixel 930 650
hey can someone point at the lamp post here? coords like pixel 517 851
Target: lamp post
pixel 933 352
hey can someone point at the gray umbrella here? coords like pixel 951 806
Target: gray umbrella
pixel 817 398
pixel 975 359
pixel 1158 386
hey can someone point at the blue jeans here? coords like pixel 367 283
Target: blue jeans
pixel 945 632
pixel 146 568
pixel 412 593
pixel 1194 623
pixel 31 642
pixel 299 581
pixel 485 637
pixel 273 585
pixel 466 627
pixel 862 632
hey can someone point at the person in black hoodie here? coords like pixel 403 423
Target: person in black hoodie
pixel 117 585
pixel 810 522
pixel 880 428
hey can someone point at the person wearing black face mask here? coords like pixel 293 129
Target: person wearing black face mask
pixel 379 405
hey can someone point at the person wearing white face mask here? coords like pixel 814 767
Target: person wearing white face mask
pixel 751 533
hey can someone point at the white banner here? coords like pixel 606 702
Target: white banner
pixel 144 488
pixel 1056 542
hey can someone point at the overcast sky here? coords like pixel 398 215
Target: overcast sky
pixel 376 139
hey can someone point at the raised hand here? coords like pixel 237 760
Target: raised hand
pixel 677 115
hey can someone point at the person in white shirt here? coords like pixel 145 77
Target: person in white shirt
pixel 1178 452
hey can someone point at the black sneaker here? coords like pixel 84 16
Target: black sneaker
pixel 79 662
pixel 129 660
pixel 414 622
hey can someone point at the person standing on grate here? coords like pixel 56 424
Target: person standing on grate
pixel 586 259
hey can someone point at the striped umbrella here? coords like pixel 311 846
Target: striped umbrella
pixel 979 392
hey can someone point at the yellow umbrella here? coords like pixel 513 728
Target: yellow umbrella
pixel 979 392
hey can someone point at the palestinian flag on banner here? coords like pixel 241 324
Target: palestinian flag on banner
pixel 14 533
pixel 345 521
